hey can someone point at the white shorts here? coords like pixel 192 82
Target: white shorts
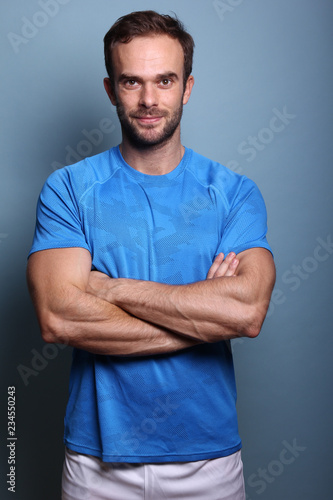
pixel 88 478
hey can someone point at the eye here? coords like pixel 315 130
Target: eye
pixel 130 83
pixel 166 82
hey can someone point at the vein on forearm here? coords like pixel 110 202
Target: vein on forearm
pixel 88 322
pixel 207 310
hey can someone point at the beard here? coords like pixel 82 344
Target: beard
pixel 147 137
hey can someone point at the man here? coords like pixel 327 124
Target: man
pixel 147 259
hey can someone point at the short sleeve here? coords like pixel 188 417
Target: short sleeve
pixel 246 224
pixel 58 223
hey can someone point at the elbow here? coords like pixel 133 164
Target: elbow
pixel 52 330
pixel 48 335
pixel 252 331
pixel 254 321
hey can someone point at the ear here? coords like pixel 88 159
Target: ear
pixel 110 90
pixel 188 89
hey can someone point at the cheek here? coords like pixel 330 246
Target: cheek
pixel 174 100
pixel 127 101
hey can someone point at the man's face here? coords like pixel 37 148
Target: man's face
pixel 148 89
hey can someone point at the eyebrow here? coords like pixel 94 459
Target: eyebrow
pixel 170 74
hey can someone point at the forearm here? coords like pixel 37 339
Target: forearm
pixel 94 325
pixel 68 314
pixel 215 309
pixel 207 310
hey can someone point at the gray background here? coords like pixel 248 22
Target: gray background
pixel 253 60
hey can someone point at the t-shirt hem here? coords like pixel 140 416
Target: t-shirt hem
pixel 55 245
pixel 191 457
pixel 257 244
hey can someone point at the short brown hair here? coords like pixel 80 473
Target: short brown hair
pixel 146 23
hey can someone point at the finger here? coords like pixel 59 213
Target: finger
pixel 216 264
pixel 223 268
pixel 232 267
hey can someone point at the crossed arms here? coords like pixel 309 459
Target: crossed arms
pixel 91 311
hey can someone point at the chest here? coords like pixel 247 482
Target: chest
pixel 160 233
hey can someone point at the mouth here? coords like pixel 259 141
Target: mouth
pixel 148 120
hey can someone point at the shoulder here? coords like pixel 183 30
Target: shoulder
pixel 221 179
pixel 81 176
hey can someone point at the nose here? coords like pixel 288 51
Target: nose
pixel 148 96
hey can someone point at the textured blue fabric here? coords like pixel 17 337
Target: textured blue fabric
pixel 168 229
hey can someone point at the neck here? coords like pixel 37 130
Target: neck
pixel 154 160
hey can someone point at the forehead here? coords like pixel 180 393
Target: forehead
pixel 148 55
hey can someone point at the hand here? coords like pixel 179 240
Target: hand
pixel 223 266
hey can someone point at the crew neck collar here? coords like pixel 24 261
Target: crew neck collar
pixel 156 179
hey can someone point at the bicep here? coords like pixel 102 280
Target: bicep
pixel 257 269
pixel 52 273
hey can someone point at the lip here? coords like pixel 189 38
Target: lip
pixel 148 120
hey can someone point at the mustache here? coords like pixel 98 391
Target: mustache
pixel 141 113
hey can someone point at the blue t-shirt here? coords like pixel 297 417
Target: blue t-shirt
pixel 168 229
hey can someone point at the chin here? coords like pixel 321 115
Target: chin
pixel 143 141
